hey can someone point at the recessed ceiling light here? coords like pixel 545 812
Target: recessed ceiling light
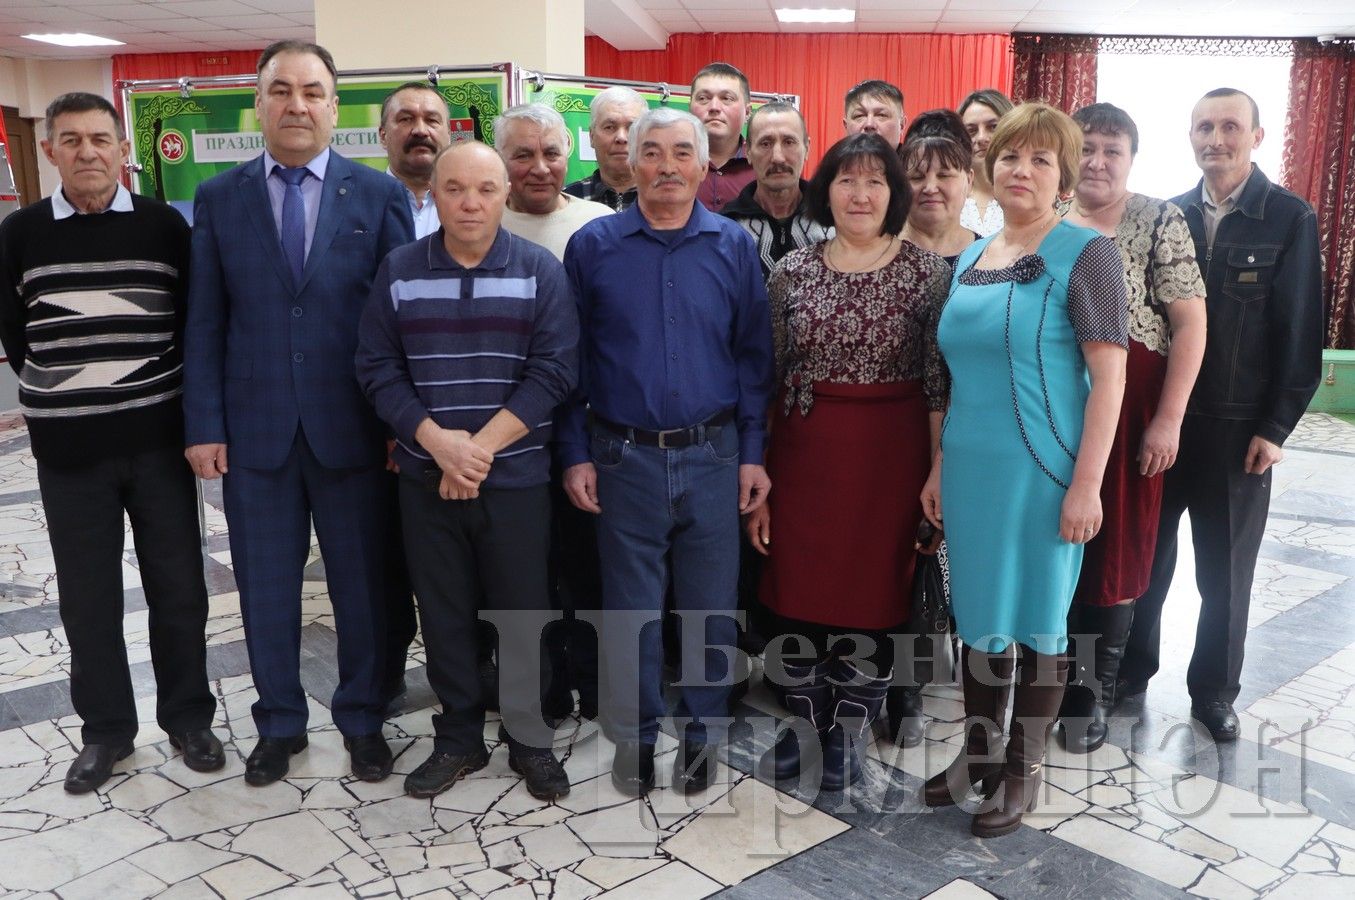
pixel 74 40
pixel 800 16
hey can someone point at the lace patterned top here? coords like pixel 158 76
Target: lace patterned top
pixel 859 328
pixel 1159 266
pixel 982 225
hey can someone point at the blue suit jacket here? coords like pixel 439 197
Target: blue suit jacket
pixel 263 355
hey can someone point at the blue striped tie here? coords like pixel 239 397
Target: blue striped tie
pixel 294 220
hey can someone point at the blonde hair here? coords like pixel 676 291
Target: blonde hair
pixel 1036 124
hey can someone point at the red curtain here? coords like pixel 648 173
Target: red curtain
pixel 931 69
pixel 1319 165
pixel 149 66
pixel 1056 68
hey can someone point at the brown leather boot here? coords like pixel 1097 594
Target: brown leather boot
pixel 987 682
pixel 1040 681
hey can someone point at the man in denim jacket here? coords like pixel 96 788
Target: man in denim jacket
pixel 1257 248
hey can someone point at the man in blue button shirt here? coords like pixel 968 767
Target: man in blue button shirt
pixel 665 437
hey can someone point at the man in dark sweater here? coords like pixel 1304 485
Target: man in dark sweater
pixel 467 345
pixel 91 315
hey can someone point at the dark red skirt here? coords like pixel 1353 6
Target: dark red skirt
pixel 845 505
pixel 1118 561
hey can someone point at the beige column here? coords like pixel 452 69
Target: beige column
pixel 545 35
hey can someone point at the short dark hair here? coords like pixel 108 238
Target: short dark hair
pixel 724 70
pixel 293 46
pixel 1110 120
pixel 873 87
pixel 1234 92
pixel 409 86
pixel 78 102
pixel 940 123
pixel 851 152
pixel 921 150
pixel 778 106
pixel 992 98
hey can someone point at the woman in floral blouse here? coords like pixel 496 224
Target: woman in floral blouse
pixel 852 431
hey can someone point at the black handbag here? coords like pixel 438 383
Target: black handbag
pixel 930 601
pixel 931 597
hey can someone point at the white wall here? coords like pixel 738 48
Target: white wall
pixel 30 84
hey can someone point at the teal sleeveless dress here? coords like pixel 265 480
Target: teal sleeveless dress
pixel 1010 439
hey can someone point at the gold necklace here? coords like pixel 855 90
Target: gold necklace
pixel 871 265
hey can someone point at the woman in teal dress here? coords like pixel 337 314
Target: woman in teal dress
pixel 1035 334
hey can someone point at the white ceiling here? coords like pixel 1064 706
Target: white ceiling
pixel 1244 18
pixel 200 25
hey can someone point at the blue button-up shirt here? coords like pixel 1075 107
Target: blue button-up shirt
pixel 426 215
pixel 675 329
pixel 312 189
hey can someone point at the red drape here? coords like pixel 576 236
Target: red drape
pixel 931 69
pixel 1319 165
pixel 1056 68
pixel 148 66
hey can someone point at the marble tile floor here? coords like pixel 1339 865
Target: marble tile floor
pixel 1159 812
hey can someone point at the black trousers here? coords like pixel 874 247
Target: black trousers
pixel 576 576
pixel 1227 510
pixel 493 551
pixel 401 622
pixel 84 508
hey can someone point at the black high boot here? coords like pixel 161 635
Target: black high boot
pixel 811 700
pixel 987 682
pixel 903 714
pixel 857 699
pixel 1040 681
pixel 1085 709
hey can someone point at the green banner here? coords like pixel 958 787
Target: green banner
pixel 180 142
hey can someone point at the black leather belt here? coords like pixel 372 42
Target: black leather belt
pixel 672 438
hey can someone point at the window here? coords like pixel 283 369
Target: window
pixel 1159 91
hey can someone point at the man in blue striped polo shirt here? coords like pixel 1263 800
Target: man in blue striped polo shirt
pixel 467 345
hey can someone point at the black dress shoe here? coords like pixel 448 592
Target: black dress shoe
pixel 541 772
pixel 93 766
pixel 633 768
pixel 202 751
pixel 693 767
pixel 370 756
pixel 1219 718
pixel 441 770
pixel 270 759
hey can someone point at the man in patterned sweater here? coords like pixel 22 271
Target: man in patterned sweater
pixel 91 315
pixel 467 345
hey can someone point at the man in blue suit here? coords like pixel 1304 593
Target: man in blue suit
pixel 284 250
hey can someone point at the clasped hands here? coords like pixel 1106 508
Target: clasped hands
pixel 464 463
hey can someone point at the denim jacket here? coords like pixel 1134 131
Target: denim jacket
pixel 1263 292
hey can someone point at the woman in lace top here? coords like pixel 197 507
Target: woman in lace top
pixel 861 389
pixel 1034 336
pixel 981 111
pixel 1166 344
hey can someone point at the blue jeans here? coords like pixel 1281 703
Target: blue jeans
pixel 667 515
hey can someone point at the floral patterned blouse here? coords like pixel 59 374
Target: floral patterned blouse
pixel 1159 266
pixel 858 328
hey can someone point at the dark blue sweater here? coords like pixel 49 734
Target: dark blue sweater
pixel 457 345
